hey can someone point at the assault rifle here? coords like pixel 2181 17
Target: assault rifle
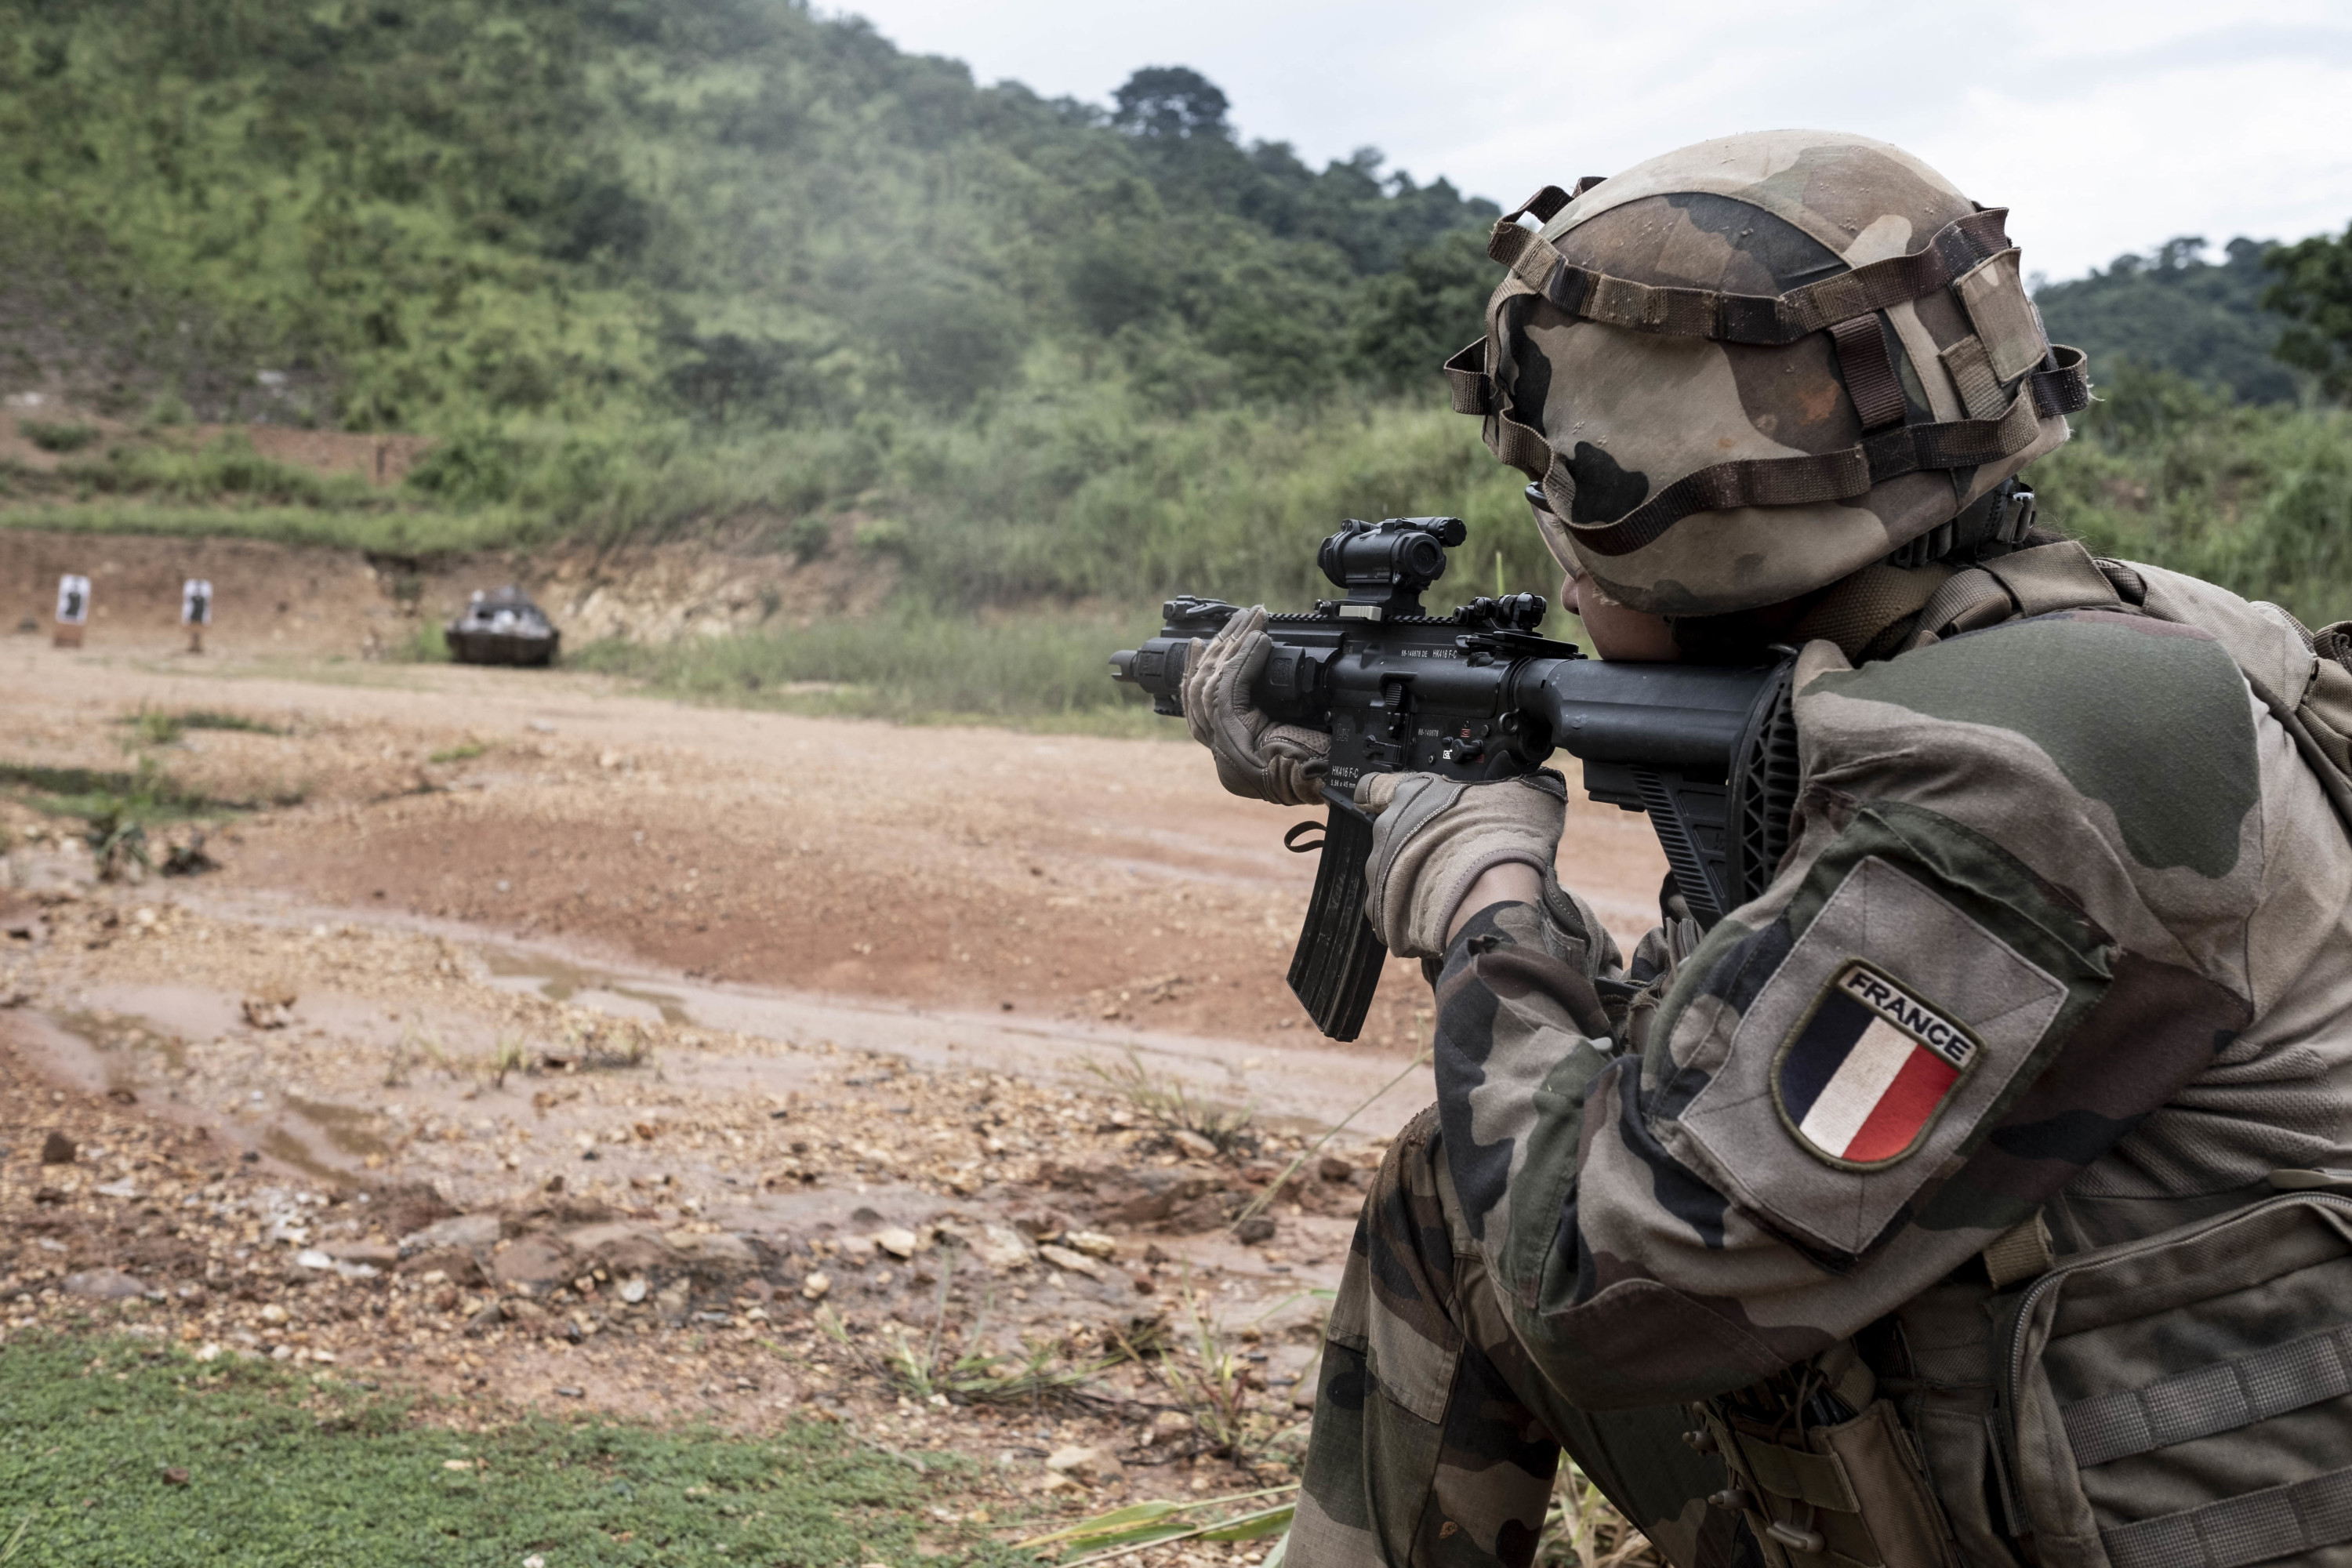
pixel 1709 753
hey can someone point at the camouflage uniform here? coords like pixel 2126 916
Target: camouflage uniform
pixel 2075 844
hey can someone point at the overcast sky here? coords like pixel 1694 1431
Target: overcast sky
pixel 2105 125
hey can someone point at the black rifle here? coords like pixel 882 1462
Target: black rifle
pixel 1708 751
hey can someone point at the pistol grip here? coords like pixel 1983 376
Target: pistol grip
pixel 1336 965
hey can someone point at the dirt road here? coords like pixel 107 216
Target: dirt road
pixel 1047 877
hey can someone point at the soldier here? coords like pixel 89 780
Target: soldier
pixel 1812 1236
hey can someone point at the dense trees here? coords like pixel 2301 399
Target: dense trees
pixel 435 212
pixel 2314 294
pixel 647 265
pixel 2174 311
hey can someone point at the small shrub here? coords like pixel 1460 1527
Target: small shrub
pixel 58 438
pixel 153 726
pixel 509 1055
pixel 1165 1104
pixel 882 536
pixel 425 645
pixel 808 539
pixel 118 842
pixel 115 822
pixel 477 468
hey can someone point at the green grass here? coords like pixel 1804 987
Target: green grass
pixel 146 795
pixel 285 1469
pixel 2256 499
pixel 422 532
pixel 211 718
pixel 153 726
pixel 225 465
pixel 160 727
pixel 465 753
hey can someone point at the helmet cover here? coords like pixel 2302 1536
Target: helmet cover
pixel 1744 370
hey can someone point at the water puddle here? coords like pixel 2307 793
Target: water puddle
pixel 280 1144
pixel 561 982
pixel 117 1042
pixel 346 1126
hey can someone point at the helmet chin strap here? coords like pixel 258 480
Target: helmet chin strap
pixel 1993 524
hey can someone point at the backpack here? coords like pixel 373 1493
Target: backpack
pixel 2302 677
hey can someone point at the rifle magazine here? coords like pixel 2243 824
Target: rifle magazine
pixel 1336 965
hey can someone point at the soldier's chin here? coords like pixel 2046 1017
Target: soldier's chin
pixel 1621 633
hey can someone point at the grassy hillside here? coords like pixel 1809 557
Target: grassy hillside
pixel 642 266
pixel 2258 498
pixel 443 214
pixel 646 266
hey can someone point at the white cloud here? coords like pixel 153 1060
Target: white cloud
pixel 2105 125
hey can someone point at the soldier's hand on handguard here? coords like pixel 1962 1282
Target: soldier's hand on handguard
pixel 1434 840
pixel 1256 758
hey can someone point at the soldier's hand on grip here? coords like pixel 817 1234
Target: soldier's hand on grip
pixel 1256 758
pixel 1433 837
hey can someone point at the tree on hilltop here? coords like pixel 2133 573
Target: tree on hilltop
pixel 1171 104
pixel 2313 293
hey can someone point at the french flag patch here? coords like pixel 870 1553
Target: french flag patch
pixel 1864 1076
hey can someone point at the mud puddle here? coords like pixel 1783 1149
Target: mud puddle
pixel 347 1127
pixel 560 979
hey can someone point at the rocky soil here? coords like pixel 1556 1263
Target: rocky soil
pixel 538 1043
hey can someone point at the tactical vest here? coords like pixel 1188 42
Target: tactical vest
pixel 2180 1400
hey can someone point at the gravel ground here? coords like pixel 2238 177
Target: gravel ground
pixel 303 1147
pixel 556 1048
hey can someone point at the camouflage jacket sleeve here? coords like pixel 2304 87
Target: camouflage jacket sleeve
pixel 2041 875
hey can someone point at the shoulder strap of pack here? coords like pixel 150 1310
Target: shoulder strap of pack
pixel 2036 582
pixel 2309 693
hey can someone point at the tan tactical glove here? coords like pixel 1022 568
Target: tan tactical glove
pixel 1432 837
pixel 1256 757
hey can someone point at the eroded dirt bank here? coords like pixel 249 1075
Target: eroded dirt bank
pixel 275 600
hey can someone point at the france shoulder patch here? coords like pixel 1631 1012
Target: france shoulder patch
pixel 1868 1069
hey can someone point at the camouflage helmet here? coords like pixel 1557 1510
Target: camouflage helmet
pixel 1744 370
